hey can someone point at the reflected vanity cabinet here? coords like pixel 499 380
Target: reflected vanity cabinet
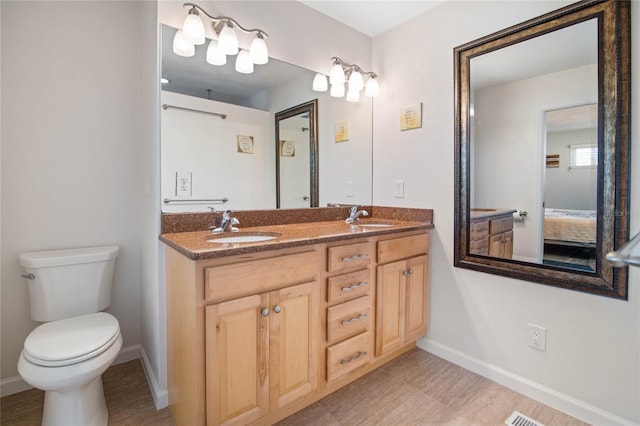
pixel 253 338
pixel 491 233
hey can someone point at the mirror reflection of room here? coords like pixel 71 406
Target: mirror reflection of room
pixel 514 92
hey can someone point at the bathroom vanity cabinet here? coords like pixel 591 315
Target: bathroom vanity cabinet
pixel 257 336
pixel 491 232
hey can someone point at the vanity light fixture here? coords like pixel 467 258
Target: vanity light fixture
pixel 341 73
pixel 193 33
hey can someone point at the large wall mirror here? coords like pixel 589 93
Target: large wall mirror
pixel 297 156
pixel 218 133
pixel 542 148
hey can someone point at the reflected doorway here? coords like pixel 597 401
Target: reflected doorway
pixel 570 190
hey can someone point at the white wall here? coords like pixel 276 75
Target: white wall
pixel 565 189
pixel 591 366
pixel 508 141
pixel 194 142
pixel 72 125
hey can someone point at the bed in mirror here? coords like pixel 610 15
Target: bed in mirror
pixel 542 148
pixel 208 161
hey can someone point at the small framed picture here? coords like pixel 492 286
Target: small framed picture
pixel 553 161
pixel 287 148
pixel 411 116
pixel 245 144
pixel 341 131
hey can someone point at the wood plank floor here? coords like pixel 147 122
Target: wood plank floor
pixel 417 388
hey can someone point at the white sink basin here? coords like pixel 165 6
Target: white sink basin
pixel 242 237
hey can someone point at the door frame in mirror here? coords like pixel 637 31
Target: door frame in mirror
pixel 311 108
pixel 614 75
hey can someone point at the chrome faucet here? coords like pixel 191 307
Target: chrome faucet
pixel 354 214
pixel 227 223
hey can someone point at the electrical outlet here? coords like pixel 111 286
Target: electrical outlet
pixel 537 337
pixel 183 184
pixel 349 189
pixel 398 189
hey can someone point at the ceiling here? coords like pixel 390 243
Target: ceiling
pixel 372 17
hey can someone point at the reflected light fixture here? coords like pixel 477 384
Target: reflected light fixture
pixel 353 75
pixel 193 33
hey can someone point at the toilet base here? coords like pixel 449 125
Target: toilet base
pixel 81 406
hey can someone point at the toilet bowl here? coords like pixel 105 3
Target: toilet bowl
pixel 66 359
pixel 67 354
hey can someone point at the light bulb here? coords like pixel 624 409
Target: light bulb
pixel 228 40
pixel 372 88
pixel 353 96
pixel 193 29
pixel 355 81
pixel 243 62
pixel 258 50
pixel 181 46
pixel 215 55
pixel 337 90
pixel 336 75
pixel 320 83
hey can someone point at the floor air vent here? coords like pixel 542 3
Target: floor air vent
pixel 519 419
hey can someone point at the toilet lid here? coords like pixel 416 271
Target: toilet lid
pixel 71 340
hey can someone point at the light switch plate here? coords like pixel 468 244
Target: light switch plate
pixel 398 189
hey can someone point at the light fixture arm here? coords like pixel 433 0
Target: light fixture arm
pixel 221 20
pixel 348 68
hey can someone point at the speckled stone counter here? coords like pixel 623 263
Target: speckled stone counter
pixel 296 228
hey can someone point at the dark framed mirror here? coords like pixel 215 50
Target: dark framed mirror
pixel 542 145
pixel 297 156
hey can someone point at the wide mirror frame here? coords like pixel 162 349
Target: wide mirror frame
pixel 614 71
pixel 310 108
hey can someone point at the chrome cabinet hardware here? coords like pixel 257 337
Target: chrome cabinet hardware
pixel 277 309
pixel 349 321
pixel 355 257
pixel 265 312
pixel 407 272
pixel 28 276
pixel 355 286
pixel 352 357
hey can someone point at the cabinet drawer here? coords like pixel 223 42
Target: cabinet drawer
pixel 480 247
pixel 256 276
pixel 352 256
pixel 499 226
pixel 348 286
pixel 348 318
pixel 348 355
pixel 479 230
pixel 401 248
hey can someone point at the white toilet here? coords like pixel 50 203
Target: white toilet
pixel 67 355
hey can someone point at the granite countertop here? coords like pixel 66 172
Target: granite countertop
pixel 194 245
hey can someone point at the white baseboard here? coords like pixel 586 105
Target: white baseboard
pixel 160 395
pixel 15 384
pixel 558 400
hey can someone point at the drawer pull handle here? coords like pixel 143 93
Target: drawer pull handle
pixel 355 257
pixel 352 357
pixel 408 272
pixel 265 312
pixel 349 321
pixel 355 286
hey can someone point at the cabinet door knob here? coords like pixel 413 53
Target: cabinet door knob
pixel 265 312
pixel 277 309
pixel 408 272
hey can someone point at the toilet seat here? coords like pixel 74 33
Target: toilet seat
pixel 72 340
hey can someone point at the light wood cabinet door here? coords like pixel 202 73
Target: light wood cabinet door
pixel 390 307
pixel 417 315
pixel 501 245
pixel 237 361
pixel 402 303
pixel 294 335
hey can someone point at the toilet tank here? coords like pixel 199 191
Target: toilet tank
pixel 68 283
